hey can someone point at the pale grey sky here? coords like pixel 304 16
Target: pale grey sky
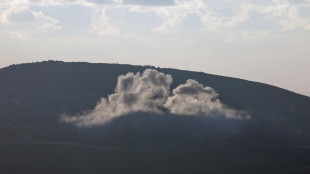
pixel 266 41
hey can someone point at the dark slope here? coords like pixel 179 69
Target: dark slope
pixel 56 87
pixel 32 96
pixel 35 94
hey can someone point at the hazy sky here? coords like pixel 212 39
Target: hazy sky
pixel 260 40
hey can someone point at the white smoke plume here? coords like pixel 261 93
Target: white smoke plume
pixel 150 92
pixel 192 98
pixel 146 92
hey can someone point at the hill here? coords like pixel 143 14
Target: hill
pixel 51 88
pixel 34 95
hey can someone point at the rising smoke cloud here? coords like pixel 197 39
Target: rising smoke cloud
pixel 193 98
pixel 150 92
